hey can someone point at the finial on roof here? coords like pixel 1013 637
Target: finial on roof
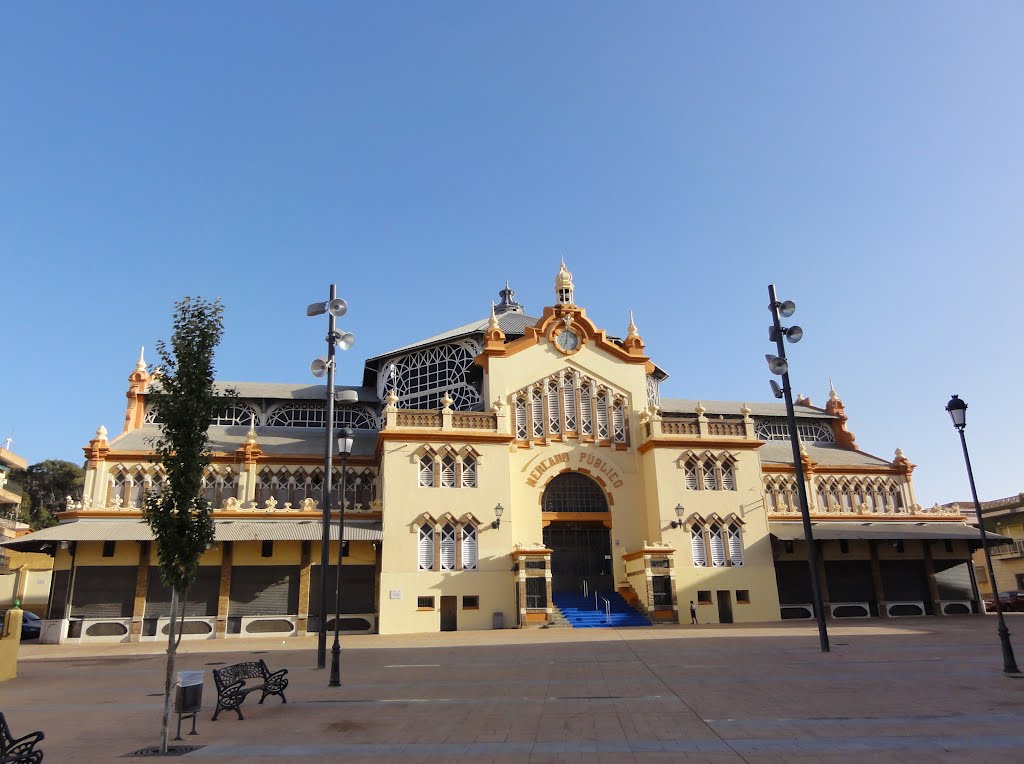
pixel 140 365
pixel 899 452
pixel 446 401
pixel 492 322
pixel 631 330
pixel 250 437
pixel 745 410
pixel 803 448
pixel 563 285
pixel 832 394
pixel 508 303
pixel 699 408
pixel 101 433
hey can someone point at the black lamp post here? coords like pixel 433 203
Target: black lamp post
pixel 779 365
pixel 334 307
pixel 958 413
pixel 344 448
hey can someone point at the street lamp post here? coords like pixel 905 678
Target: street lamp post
pixel 958 413
pixel 780 366
pixel 334 308
pixel 344 448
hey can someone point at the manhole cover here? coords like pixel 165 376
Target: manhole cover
pixel 172 750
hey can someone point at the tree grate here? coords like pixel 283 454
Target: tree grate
pixel 172 750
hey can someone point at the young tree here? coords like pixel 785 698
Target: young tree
pixel 45 488
pixel 186 400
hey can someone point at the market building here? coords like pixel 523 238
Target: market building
pixel 513 471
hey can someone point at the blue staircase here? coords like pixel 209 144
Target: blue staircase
pixel 579 612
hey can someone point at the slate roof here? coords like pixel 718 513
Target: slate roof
pixel 688 406
pixel 294 392
pixel 825 454
pixel 297 441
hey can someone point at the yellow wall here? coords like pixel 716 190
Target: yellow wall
pixel 10 639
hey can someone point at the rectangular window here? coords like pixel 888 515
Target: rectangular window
pixel 844 546
pixel 108 548
pixel 424 603
pixel 268 549
pixel 980 574
pixel 743 596
pixel 471 602
pixel 536 592
pixel 704 597
pixel 661 590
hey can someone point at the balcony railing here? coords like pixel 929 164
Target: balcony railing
pixel 1014 549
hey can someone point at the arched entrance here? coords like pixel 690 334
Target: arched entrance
pixel 581 547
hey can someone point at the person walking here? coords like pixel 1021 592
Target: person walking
pixel 693 612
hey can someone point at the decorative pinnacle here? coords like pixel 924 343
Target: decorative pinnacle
pixel 101 433
pixel 446 400
pixel 140 365
pixel 700 409
pixel 631 330
pixel 832 394
pixel 745 410
pixel 492 322
pixel 250 437
pixel 899 453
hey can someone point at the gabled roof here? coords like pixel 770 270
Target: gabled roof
pixel 290 441
pixel 510 323
pixel 824 454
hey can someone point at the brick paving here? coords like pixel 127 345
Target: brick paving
pixel 917 690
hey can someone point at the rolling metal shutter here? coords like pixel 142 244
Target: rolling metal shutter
pixel 357 589
pixel 794 580
pixel 954 579
pixel 59 594
pixel 200 600
pixel 264 590
pixel 904 580
pixel 104 592
pixel 849 581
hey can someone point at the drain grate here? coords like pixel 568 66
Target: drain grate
pixel 172 750
pixel 216 663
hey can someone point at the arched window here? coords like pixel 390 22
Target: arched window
pixel 448 547
pixel 708 475
pixel 156 484
pixel 717 545
pixel 569 390
pixel 522 427
pixel 425 548
pixel 239 414
pixel 135 493
pixel 573 492
pixel 469 547
pixel 602 415
pixel 690 474
pixel 554 409
pixel 586 410
pixel 448 472
pixel 538 413
pixel 120 484
pixel 697 548
pixel 468 472
pixel 618 422
pixel 427 470
pixel 422 377
pixel 735 544
pixel 728 475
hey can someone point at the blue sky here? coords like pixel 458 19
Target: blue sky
pixel 867 158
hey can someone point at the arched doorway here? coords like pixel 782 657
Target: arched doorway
pixel 581 548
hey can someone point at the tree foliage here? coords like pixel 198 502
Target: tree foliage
pixel 45 487
pixel 186 400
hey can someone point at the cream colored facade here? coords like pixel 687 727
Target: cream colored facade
pixel 603 485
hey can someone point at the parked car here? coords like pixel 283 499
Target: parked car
pixel 31 625
pixel 1008 601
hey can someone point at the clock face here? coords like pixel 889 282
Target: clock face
pixel 567 340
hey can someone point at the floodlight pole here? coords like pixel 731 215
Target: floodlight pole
pixel 321 637
pixel 335 680
pixel 801 487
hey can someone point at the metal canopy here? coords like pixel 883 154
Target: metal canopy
pixel 867 530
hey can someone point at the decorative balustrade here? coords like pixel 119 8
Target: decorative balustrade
pixel 230 505
pixel 474 420
pixel 784 509
pixel 680 427
pixel 418 418
pixel 730 429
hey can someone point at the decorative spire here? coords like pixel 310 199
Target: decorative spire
pixel 631 330
pixel 250 436
pixel 101 433
pixel 508 303
pixel 140 365
pixel 446 401
pixel 492 322
pixel 832 394
pixel 699 408
pixel 564 286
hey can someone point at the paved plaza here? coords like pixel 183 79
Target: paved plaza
pixel 917 690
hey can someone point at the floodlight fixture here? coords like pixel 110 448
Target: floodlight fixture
pixel 787 308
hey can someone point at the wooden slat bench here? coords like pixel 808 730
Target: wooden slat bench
pixel 232 688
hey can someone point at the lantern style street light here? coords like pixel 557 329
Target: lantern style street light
pixel 780 366
pixel 344 448
pixel 958 413
pixel 334 308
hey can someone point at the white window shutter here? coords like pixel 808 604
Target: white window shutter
pixel 569 391
pixel 602 416
pixel 522 428
pixel 728 476
pixel 448 548
pixel 469 472
pixel 554 409
pixel 717 546
pixel 425 551
pixel 448 472
pixel 426 470
pixel 735 545
pixel 618 422
pixel 700 556
pixel 538 414
pixel 469 547
pixel 586 410
pixel 690 471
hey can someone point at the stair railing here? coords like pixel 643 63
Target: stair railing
pixel 586 590
pixel 596 605
pixel 607 610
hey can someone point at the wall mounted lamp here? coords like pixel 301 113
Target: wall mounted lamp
pixel 680 510
pixel 498 511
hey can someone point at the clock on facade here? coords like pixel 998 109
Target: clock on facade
pixel 567 340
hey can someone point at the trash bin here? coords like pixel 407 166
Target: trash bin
pixel 188 696
pixel 498 620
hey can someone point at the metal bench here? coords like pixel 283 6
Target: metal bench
pixel 232 688
pixel 19 750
